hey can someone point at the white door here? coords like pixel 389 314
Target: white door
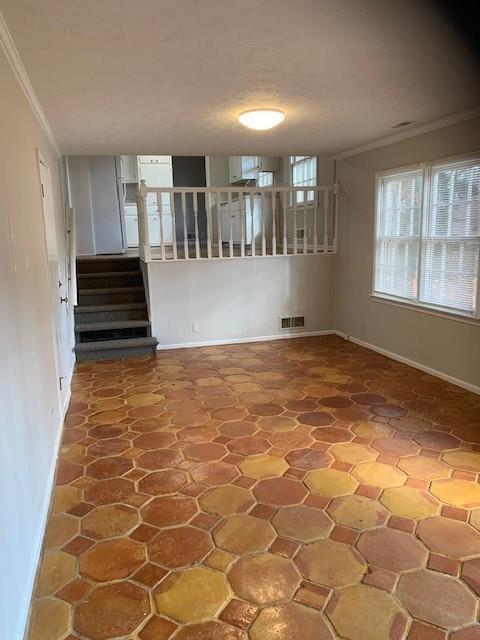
pixel 58 289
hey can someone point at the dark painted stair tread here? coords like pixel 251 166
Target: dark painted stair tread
pixel 126 306
pixel 112 324
pixel 111 290
pixel 117 344
pixel 108 274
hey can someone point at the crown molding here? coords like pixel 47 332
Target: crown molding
pixel 410 133
pixel 16 64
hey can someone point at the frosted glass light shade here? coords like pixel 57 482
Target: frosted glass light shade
pixel 261 119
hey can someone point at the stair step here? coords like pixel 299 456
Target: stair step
pixel 112 279
pixel 107 263
pixel 116 348
pixel 93 308
pixel 107 290
pixel 114 324
pixel 107 274
pixel 111 312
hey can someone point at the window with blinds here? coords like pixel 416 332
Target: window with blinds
pixel 303 174
pixel 427 236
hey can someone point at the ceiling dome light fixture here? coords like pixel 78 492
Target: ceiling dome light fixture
pixel 261 119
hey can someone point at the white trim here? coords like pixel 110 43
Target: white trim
pixel 411 363
pixel 466 318
pixel 16 64
pixel 411 133
pixel 213 343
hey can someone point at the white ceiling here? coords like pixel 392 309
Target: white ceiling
pixel 171 76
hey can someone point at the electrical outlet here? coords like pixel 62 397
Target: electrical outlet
pixel 195 327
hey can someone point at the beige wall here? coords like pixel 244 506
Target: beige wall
pixel 30 413
pixel 449 346
pixel 239 299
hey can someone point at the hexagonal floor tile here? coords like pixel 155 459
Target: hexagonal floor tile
pixel 353 453
pixel 423 467
pixel 112 559
pixel 449 537
pixel 167 511
pixel 264 579
pixel 357 512
pixel 211 630
pixel 192 595
pixel 290 621
pixel 112 610
pixel 61 528
pixel 308 459
pixel 243 534
pixel 57 568
pixel 409 502
pixel 109 521
pixel 379 474
pixel 330 563
pixel 279 491
pixel 330 482
pixel 392 549
pixel 461 493
pixel 471 574
pixel 226 500
pixel 437 440
pixel 437 598
pixel 302 523
pixel 263 466
pixel 179 547
pixel 49 619
pixel 362 612
pixel 166 481
pixel 465 460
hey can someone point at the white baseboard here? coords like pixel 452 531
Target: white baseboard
pixel 412 363
pixel 45 513
pixel 213 343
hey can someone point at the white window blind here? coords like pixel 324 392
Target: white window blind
pixel 398 234
pixel 427 236
pixel 450 247
pixel 303 174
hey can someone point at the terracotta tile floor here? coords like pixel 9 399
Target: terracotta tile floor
pixel 296 490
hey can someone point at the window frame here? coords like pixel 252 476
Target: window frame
pixel 415 303
pixel 295 202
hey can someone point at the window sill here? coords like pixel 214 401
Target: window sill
pixel 432 311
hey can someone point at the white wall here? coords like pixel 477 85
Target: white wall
pixel 93 194
pixel 31 418
pixel 239 298
pixel 449 346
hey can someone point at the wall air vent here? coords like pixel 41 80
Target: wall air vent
pixel 292 323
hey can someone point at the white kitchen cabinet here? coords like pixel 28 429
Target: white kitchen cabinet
pixel 231 215
pixel 242 168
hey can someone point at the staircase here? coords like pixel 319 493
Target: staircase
pixel 111 319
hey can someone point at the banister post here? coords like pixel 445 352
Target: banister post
pixel 143 231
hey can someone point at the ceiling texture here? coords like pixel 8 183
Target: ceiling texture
pixel 171 76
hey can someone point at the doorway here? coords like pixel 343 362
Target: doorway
pixel 58 289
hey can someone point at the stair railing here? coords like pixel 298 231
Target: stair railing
pixel 194 223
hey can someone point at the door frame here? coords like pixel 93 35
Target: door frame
pixel 62 400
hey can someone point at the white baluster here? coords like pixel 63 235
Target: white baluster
pixel 262 213
pixel 160 219
pixel 325 221
pixel 185 230
pixel 241 205
pixel 305 196
pixel 274 223
pixel 315 213
pixel 286 196
pixel 195 213
pixel 174 225
pixel 144 248
pixel 230 226
pixel 208 212
pixel 219 224
pixel 251 200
